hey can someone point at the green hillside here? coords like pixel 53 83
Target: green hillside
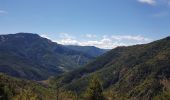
pixel 139 72
pixel 16 89
pixel 30 56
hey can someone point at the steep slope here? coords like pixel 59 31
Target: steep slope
pixel 30 56
pixel 139 72
pixel 16 89
pixel 89 50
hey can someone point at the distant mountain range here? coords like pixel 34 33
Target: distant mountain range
pixel 30 56
pixel 139 72
pixel 89 50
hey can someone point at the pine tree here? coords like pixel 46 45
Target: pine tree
pixel 95 91
pixel 57 90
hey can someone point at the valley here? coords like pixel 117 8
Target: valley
pixel 39 69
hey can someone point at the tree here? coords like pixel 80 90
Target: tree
pixel 95 90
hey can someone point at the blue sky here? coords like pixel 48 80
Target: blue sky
pixel 101 23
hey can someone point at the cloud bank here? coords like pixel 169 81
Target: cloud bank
pixel 156 2
pixel 150 2
pixel 106 42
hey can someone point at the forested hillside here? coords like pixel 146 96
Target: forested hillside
pixel 30 56
pixel 139 72
pixel 16 89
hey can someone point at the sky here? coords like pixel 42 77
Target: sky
pixel 101 23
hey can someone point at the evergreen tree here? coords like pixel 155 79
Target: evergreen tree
pixel 95 91
pixel 57 90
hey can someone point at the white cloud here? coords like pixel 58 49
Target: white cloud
pixel 90 36
pixel 3 12
pixel 150 2
pixel 68 41
pixel 45 36
pixel 103 43
pixel 65 35
pixel 129 37
pixel 156 2
pixel 106 42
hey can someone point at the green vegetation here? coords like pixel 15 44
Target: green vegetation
pixel 95 90
pixel 16 89
pixel 30 56
pixel 126 73
pixel 140 72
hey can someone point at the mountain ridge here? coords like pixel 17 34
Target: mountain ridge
pixel 90 50
pixel 30 56
pixel 133 72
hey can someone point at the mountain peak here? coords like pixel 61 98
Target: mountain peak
pixel 168 37
pixel 18 35
pixel 26 34
pixel 34 55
